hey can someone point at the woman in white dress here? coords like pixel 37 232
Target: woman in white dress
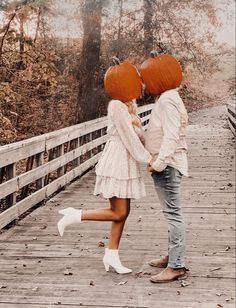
pixel 118 179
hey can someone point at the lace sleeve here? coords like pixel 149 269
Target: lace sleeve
pixel 123 123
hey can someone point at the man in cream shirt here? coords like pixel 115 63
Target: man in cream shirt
pixel 165 140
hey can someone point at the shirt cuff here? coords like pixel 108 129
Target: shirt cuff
pixel 159 165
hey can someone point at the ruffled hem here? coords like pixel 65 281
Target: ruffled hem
pixel 110 187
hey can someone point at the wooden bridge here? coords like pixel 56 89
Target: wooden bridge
pixel 38 269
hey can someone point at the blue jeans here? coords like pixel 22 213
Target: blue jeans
pixel 167 185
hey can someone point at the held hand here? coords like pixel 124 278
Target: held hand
pixel 150 168
pixel 137 122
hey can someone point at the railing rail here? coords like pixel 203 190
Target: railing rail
pixel 231 108
pixel 34 169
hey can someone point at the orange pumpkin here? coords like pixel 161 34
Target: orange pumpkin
pixel 122 81
pixel 161 73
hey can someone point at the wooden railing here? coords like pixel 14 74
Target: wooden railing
pixel 34 169
pixel 231 108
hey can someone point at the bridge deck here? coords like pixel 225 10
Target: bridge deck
pixel 39 269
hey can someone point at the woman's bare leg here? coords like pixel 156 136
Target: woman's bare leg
pixel 117 227
pixel 118 211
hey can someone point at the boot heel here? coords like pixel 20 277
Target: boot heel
pixel 60 228
pixel 106 265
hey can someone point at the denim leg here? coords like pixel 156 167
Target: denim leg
pixel 167 185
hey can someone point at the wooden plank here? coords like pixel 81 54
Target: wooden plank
pixel 21 207
pixel 145 108
pixel 231 107
pixel 38 162
pixel 26 178
pixel 87 128
pixel 11 173
pixel 34 257
pixel 13 152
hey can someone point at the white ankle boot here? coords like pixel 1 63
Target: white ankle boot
pixel 111 258
pixel 70 217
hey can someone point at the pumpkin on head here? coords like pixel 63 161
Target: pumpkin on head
pixel 161 73
pixel 122 81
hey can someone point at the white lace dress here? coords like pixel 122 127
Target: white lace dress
pixel 118 170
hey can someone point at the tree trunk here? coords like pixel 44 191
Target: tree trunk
pixel 22 43
pixel 148 26
pixel 38 25
pixel 5 33
pixel 88 103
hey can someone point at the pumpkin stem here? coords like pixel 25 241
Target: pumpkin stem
pixel 153 53
pixel 115 61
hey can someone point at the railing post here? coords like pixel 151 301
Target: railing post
pixel 60 171
pixel 11 173
pixel 76 162
pixel 39 162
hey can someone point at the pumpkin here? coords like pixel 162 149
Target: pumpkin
pixel 122 81
pixel 161 73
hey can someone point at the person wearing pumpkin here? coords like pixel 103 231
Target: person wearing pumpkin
pixel 118 175
pixel 165 140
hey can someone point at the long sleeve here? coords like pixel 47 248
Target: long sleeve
pixel 171 122
pixel 123 123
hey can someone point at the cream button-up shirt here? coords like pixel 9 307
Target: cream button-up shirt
pixel 165 137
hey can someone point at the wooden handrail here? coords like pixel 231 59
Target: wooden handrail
pixel 51 161
pixel 231 108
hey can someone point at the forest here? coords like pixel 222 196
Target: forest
pixel 54 54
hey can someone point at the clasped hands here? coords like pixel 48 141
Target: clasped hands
pixel 149 167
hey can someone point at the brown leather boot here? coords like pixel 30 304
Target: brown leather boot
pixel 169 274
pixel 160 263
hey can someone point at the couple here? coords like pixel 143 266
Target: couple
pixel 163 149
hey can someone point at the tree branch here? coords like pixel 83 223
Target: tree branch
pixel 5 33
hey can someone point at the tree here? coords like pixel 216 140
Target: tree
pixel 88 104
pixel 148 26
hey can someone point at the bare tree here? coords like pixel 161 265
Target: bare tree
pixel 90 59
pixel 148 26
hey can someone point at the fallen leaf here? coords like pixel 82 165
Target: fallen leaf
pixel 101 244
pixel 35 289
pixel 67 272
pixel 215 269
pixel 141 274
pixel 184 283
pixel 122 283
